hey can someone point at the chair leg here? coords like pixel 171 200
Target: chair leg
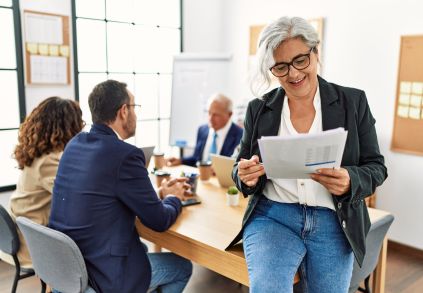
pixel 366 284
pixel 17 273
pixel 15 281
pixel 43 286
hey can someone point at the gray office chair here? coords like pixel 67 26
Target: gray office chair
pixel 374 242
pixel 9 243
pixel 56 258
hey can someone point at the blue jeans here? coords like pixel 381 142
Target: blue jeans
pixel 169 272
pixel 281 239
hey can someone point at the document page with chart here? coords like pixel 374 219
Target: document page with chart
pixel 296 156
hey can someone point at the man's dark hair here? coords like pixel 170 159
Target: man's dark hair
pixel 106 99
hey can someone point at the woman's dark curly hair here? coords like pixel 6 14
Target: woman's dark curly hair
pixel 47 129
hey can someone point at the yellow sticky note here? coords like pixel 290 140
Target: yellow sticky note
pixel 402 111
pixel 43 49
pixel 417 88
pixel 414 113
pixel 404 99
pixel 415 101
pixel 32 48
pixel 405 87
pixel 64 51
pixel 53 50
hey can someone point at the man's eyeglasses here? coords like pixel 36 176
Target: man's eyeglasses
pixel 137 108
pixel 300 62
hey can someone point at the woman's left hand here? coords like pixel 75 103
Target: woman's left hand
pixel 337 181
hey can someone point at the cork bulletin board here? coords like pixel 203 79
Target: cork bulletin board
pixel 47 48
pixel 408 118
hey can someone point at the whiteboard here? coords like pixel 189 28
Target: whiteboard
pixel 195 78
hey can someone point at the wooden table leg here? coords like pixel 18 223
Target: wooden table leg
pixel 380 270
pixel 157 248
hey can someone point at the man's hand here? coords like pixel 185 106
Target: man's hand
pixel 250 170
pixel 175 187
pixel 172 161
pixel 337 181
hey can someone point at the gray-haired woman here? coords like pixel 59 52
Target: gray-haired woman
pixel 312 226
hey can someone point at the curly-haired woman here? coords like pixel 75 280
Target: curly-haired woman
pixel 42 138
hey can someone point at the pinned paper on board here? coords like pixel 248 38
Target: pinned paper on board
pixel 410 100
pixel 64 51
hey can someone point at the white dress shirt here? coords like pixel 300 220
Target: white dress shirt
pixel 220 139
pixel 303 191
pixel 117 134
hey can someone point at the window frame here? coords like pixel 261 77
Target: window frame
pixel 19 72
pixel 157 118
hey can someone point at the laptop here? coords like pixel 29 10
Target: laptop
pixel 222 166
pixel 148 153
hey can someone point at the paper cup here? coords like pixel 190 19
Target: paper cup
pixel 205 170
pixel 159 161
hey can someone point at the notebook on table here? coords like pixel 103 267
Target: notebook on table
pixel 222 166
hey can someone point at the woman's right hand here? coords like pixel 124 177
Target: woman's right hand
pixel 250 170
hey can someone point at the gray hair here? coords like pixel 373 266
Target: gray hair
pixel 222 99
pixel 270 38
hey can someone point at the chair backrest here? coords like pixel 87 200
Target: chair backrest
pixel 56 258
pixel 374 242
pixel 9 240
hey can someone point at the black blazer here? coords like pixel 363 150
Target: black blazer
pixel 341 107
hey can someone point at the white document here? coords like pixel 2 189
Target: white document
pixel 43 29
pixel 297 156
pixel 48 69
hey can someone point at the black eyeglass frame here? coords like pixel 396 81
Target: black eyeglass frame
pixel 133 105
pixel 289 64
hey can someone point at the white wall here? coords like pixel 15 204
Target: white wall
pixel 360 49
pixel 203 25
pixel 36 93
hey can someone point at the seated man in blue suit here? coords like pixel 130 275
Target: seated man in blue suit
pixel 101 186
pixel 219 136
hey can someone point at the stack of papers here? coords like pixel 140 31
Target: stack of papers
pixel 297 156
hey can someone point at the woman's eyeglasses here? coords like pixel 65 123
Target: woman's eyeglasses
pixel 300 62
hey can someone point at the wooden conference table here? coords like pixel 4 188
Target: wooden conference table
pixel 202 232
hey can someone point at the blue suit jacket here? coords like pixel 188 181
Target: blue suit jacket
pixel 231 142
pixel 101 185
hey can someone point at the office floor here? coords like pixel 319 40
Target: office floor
pixel 404 274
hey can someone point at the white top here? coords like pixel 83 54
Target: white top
pixel 220 139
pixel 303 191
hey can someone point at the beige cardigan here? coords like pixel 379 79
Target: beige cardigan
pixel 32 198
